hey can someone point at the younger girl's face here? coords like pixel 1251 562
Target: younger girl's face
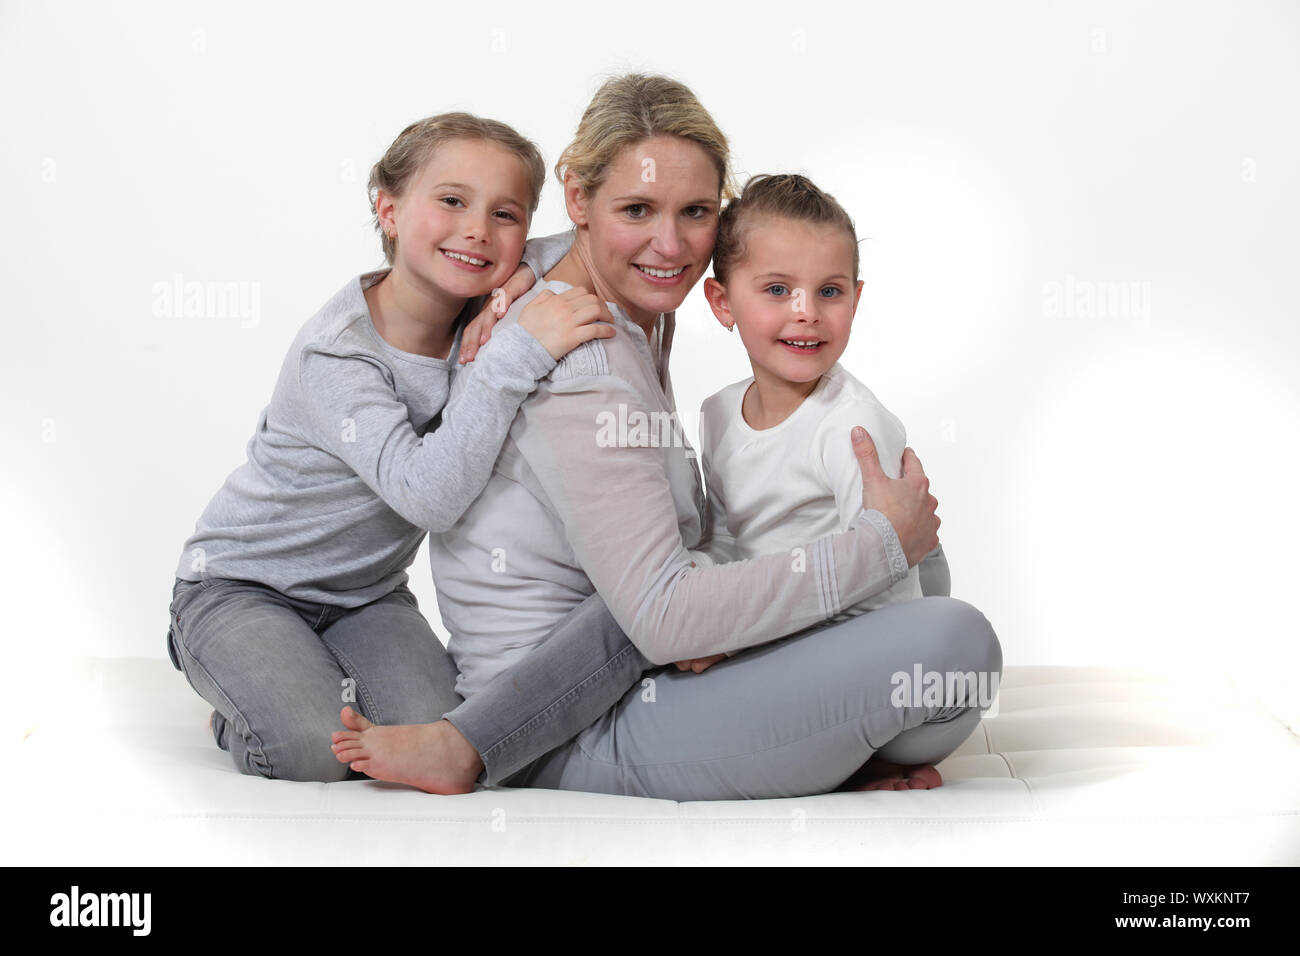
pixel 792 297
pixel 462 220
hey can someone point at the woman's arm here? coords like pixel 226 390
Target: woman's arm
pixel 621 522
pixel 843 477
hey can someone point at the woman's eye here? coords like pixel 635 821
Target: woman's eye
pixel 636 210
pixel 776 289
pixel 697 212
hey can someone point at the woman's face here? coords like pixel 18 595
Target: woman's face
pixel 649 227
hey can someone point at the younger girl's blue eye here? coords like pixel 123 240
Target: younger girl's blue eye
pixel 832 290
pixel 777 289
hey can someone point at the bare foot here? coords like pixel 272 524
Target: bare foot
pixel 434 757
pixel 880 774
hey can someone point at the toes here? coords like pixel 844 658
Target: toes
pixel 927 774
pixel 354 721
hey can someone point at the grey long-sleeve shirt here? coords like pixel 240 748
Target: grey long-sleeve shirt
pixel 595 490
pixel 348 466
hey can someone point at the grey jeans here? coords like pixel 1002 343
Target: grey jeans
pixel 277 670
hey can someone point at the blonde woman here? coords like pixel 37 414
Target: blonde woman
pixel 571 523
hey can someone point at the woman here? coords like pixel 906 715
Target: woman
pixel 564 517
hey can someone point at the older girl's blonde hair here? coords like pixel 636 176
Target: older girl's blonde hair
pixel 786 196
pixel 417 144
pixel 630 108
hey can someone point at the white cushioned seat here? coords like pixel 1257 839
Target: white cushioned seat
pixel 1080 765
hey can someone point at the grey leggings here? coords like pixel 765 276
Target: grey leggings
pixel 793 717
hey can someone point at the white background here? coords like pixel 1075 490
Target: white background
pixel 1115 489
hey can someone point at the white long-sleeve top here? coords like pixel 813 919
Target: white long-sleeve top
pixel 583 498
pixel 774 489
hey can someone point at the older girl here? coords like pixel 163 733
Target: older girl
pixel 291 595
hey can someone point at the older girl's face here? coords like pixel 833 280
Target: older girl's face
pixel 462 220
pixel 650 225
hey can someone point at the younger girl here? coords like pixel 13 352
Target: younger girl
pixel 778 471
pixel 291 594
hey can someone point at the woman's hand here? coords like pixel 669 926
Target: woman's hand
pixel 480 329
pixel 905 501
pixel 563 322
pixel 700 664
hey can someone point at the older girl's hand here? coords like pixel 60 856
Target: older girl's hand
pixel 498 304
pixel 905 501
pixel 563 321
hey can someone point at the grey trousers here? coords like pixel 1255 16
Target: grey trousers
pixel 793 717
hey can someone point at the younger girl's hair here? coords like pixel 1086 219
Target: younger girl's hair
pixel 634 107
pixel 417 144
pixel 783 196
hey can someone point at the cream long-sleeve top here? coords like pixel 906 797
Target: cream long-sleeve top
pixel 584 498
pixel 772 489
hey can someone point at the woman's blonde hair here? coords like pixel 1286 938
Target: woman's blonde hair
pixel 634 107
pixel 417 144
pixel 783 196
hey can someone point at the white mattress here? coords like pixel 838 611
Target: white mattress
pixel 1080 766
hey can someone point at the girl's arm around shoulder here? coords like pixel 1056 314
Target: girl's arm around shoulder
pixel 429 480
pixel 544 253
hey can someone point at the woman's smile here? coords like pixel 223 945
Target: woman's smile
pixel 661 275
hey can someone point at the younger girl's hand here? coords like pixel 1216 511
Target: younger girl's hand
pixel 700 664
pixel 563 322
pixel 479 330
